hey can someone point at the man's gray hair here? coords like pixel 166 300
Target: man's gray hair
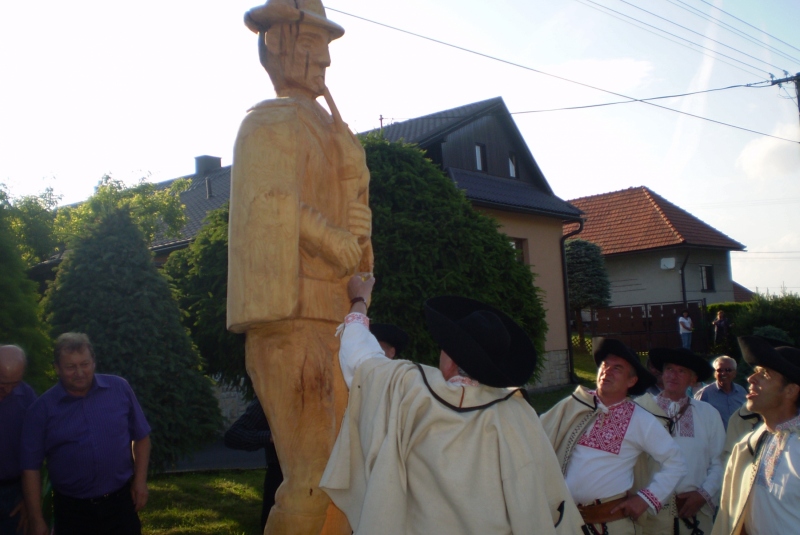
pixel 15 350
pixel 723 358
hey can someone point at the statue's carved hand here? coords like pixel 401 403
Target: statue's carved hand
pixel 341 249
pixel 359 220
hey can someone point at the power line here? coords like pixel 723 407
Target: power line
pixel 700 34
pixel 725 26
pixel 518 65
pixel 754 27
pixel 681 38
pixel 668 39
pixel 767 252
pixel 753 85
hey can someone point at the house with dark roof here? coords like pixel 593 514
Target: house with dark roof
pixel 656 252
pixel 481 149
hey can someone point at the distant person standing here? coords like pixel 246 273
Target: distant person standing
pixel 722 327
pixel 96 440
pixel 15 398
pixel 685 327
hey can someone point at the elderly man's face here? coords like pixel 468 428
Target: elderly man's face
pixel 76 371
pixel 725 372
pixel 10 377
pixel 305 64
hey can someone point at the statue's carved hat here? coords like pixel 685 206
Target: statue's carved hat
pixel 259 19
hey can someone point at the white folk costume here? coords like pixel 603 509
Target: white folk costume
pixel 420 455
pixel 598 446
pixel 761 490
pixel 697 429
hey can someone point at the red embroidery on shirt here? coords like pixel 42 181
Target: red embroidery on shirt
pixel 356 317
pixel 650 497
pixel 684 421
pixel 609 430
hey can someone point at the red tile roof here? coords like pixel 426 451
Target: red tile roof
pixel 638 219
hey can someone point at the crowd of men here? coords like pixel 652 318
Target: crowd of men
pixel 454 449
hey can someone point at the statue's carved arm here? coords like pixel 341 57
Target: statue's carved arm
pixel 337 246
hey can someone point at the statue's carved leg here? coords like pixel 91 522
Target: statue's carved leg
pixel 294 367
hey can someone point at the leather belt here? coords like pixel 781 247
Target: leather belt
pixel 600 513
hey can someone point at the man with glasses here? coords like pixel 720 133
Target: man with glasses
pixel 723 394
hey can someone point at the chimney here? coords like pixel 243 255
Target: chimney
pixel 206 164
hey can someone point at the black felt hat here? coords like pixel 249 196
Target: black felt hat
pixel 391 334
pixel 611 346
pixel 682 357
pixel 758 351
pixel 484 342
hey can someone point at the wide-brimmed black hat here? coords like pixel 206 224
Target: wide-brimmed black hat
pixel 391 334
pixel 682 357
pixel 612 346
pixel 259 19
pixel 757 351
pixel 484 342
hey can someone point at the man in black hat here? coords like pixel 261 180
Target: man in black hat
pixel 598 437
pixel 697 429
pixel 450 450
pixel 761 489
pixel 392 339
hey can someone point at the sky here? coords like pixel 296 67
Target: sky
pixel 138 90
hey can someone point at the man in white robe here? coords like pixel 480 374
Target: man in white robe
pixel 761 488
pixel 698 431
pixel 598 437
pixel 456 450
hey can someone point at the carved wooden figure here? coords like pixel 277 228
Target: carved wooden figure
pixel 299 226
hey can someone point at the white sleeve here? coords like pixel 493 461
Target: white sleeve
pixel 712 485
pixel 358 345
pixel 656 442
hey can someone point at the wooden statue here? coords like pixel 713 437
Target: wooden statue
pixel 299 227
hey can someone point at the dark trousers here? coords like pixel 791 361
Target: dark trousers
pixel 10 497
pixel 113 514
pixel 272 480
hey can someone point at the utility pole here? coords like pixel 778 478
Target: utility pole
pixel 796 80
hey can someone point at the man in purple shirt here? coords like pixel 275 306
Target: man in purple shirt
pixel 86 426
pixel 15 398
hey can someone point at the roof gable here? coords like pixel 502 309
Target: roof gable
pixel 638 219
pixel 429 128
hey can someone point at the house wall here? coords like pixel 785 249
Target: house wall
pixel 542 252
pixel 637 278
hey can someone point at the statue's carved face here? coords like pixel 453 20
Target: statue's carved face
pixel 302 53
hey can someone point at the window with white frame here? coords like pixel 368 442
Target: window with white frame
pixel 480 157
pixel 707 278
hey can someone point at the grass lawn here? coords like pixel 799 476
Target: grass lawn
pixel 219 503
pixel 585 370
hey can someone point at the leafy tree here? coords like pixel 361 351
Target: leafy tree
pixel 589 286
pixel 44 229
pixel 199 277
pixel 427 239
pixel 781 311
pixel 109 288
pixel 20 321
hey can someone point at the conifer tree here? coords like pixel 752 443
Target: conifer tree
pixel 20 321
pixel 589 286
pixel 109 288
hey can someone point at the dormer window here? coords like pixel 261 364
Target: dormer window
pixel 512 165
pixel 480 157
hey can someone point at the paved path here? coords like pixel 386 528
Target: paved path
pixel 216 456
